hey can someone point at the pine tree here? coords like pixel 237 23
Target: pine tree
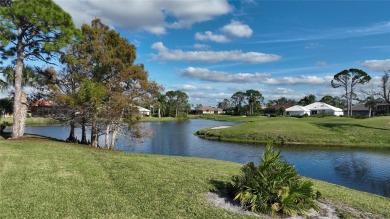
pixel 31 30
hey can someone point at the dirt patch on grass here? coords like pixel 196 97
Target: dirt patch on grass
pixel 328 210
pixel 221 127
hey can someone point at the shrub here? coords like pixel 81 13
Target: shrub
pixel 182 116
pixel 4 125
pixel 359 116
pixel 273 187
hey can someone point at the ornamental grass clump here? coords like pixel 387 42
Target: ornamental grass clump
pixel 274 187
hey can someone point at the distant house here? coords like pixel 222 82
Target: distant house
pixel 359 109
pixel 362 109
pixel 323 108
pixel 297 111
pixel 41 108
pixel 208 110
pixel 271 110
pixel 143 111
pixel 382 108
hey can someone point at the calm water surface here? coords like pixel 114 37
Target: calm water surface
pixel 365 170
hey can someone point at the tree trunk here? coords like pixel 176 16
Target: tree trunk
pixel 350 101
pixel 94 134
pixel 347 97
pixel 113 137
pixel 23 112
pixel 17 120
pixel 72 137
pixel 159 113
pixel 107 137
pixel 83 131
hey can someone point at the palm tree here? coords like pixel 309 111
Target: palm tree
pixel 28 78
pixel 371 103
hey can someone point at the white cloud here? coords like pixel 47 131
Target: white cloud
pixel 159 46
pixel 237 29
pixel 208 88
pixel 283 90
pixel 150 15
pixel 299 80
pixel 377 65
pixel 188 87
pixel 211 56
pixel 210 95
pixel 201 46
pixel 210 36
pixel 234 29
pixel 219 76
pixel 339 33
pixel 208 99
pixel 205 74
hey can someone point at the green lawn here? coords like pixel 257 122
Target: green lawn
pixel 34 121
pixel 372 132
pixel 41 178
pixel 39 121
pixel 165 119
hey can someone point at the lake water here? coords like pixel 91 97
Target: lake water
pixel 360 169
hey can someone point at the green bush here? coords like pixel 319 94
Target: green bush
pixel 4 125
pixel 182 116
pixel 359 116
pixel 273 187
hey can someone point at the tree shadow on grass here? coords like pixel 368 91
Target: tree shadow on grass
pixel 224 190
pixel 5 135
pixel 338 126
pixel 32 137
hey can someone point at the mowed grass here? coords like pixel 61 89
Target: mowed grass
pixel 40 178
pixel 48 179
pixel 329 131
pixel 165 119
pixel 34 121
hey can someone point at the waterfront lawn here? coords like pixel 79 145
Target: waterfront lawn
pixel 33 121
pixel 329 131
pixel 233 118
pixel 165 119
pixel 156 119
pixel 40 178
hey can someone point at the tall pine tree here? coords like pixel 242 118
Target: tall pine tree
pixel 31 30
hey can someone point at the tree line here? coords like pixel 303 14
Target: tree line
pixel 250 102
pixel 171 104
pixel 97 85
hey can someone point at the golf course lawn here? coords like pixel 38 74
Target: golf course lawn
pixel 328 131
pixel 42 178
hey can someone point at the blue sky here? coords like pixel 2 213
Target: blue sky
pixel 212 48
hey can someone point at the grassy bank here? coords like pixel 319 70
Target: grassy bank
pixel 40 178
pixel 341 131
pixel 39 121
pixel 35 121
pixel 165 119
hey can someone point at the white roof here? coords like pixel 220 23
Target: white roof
pixel 297 108
pixel 322 106
pixel 141 109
